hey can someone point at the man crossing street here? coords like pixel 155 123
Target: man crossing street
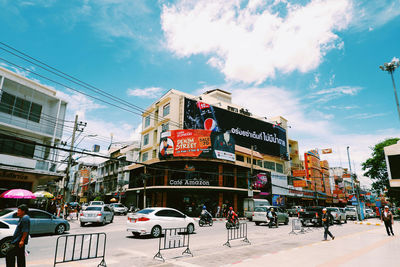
pixel 326 222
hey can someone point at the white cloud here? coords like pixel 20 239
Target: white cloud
pixel 251 43
pixel 329 94
pixel 363 116
pixel 150 92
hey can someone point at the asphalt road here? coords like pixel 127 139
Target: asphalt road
pixel 354 244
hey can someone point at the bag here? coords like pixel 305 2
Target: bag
pixel 7 247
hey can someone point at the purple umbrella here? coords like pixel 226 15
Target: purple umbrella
pixel 18 194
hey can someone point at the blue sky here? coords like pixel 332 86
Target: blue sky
pixel 312 62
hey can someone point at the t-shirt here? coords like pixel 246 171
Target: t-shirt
pixel 24 225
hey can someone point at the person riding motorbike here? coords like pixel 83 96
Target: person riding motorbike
pixel 205 215
pixel 273 218
pixel 232 216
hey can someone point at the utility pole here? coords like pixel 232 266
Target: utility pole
pixel 390 67
pixel 144 187
pixel 354 191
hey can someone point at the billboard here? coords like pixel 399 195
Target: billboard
pixel 197 143
pixel 299 173
pixel 246 131
pixel 262 182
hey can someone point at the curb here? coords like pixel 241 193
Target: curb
pixel 368 223
pixel 219 219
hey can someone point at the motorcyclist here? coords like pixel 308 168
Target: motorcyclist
pixel 273 218
pixel 232 216
pixel 205 215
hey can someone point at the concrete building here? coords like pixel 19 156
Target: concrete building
pixel 31 124
pixel 207 150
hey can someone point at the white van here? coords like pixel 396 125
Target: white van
pixel 250 203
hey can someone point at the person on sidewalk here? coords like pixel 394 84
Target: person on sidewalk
pixel 387 218
pixel 19 239
pixel 326 222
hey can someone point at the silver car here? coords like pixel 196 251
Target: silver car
pixel 337 214
pixel 101 214
pixel 118 208
pixel 42 222
pixel 260 215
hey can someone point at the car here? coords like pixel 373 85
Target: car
pixel 351 213
pixel 260 215
pixel 337 214
pixel 100 214
pixel 42 222
pixel 369 213
pixel 96 203
pixel 74 205
pixel 313 215
pixel 6 234
pixel 249 204
pixel 118 208
pixel 84 206
pixel 151 221
pixel 294 210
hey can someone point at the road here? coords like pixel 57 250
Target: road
pixel 364 245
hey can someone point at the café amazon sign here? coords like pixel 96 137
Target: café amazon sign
pixel 191 182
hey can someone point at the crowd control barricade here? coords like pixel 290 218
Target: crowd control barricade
pixel 80 247
pixel 172 238
pixel 297 226
pixel 235 233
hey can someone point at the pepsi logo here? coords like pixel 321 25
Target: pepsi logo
pixel 209 124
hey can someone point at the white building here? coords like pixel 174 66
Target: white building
pixel 31 124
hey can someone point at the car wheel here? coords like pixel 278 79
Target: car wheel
pixel 60 229
pixel 156 231
pixel 257 223
pixel 82 224
pixel 4 247
pixel 104 221
pixel 190 228
pixel 287 221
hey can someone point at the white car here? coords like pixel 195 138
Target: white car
pixel 153 220
pixel 96 214
pixel 337 214
pixel 6 233
pixel 96 203
pixel 118 208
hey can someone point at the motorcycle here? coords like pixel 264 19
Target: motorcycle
pixel 232 222
pixel 204 220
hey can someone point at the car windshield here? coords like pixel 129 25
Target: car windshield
pixel 4 212
pixel 145 211
pixel 93 208
pixel 350 209
pixel 96 203
pixel 260 209
pixel 118 205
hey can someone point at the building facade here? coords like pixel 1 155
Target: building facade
pixel 205 150
pixel 31 127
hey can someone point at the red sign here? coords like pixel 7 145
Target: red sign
pixel 346 175
pixel 299 173
pixel 299 183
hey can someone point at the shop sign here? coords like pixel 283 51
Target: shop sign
pixel 299 173
pixel 299 183
pixel 346 175
pixel 13 175
pixel 192 182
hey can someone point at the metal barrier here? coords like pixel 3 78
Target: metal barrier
pixel 81 247
pixel 235 233
pixel 296 226
pixel 173 238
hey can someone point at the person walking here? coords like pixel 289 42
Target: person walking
pixel 326 222
pixel 19 239
pixel 387 218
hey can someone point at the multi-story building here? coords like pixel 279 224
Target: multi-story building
pixel 206 150
pixel 31 126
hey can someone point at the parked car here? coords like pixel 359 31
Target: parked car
pixel 96 203
pixel 6 233
pixel 96 214
pixel 369 213
pixel 153 220
pixel 260 215
pixel 351 213
pixel 249 204
pixel 337 214
pixel 294 210
pixel 118 208
pixel 42 222
pixel 312 215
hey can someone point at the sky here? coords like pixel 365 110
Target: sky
pixel 316 63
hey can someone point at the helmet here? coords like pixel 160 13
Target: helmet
pixel 272 209
pixel 204 207
pixel 230 208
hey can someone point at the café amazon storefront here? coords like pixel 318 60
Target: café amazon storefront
pixel 187 185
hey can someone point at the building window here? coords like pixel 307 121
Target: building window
pixel 239 158
pixel 269 165
pixel 165 127
pixel 19 107
pixel 147 121
pixel 166 110
pixel 260 163
pixel 249 160
pixel 145 157
pixel 16 146
pixel 146 139
pixel 154 154
pixel 279 167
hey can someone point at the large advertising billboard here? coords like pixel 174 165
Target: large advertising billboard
pixel 245 130
pixel 197 143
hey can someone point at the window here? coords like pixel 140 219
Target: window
pixel 163 213
pixel 16 146
pixel 249 160
pixel 279 168
pixel 147 121
pixel 154 155
pixel 19 107
pixel 39 215
pixel 269 165
pixel 145 157
pixel 166 110
pixel 165 127
pixel 176 214
pixel 239 158
pixel 146 140
pixel 259 163
pixel 4 226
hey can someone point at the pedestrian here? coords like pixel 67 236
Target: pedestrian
pixel 78 209
pixel 326 222
pixel 387 218
pixel 218 211
pixel 19 239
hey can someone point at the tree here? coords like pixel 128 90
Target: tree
pixel 375 168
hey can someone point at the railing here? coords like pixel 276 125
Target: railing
pixel 173 238
pixel 235 233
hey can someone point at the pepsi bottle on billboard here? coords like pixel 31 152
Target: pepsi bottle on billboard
pixel 207 115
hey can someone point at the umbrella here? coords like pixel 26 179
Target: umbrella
pixel 113 199
pixel 18 194
pixel 43 194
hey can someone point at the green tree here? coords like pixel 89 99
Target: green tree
pixel 375 168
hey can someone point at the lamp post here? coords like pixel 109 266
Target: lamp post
pixel 390 67
pixel 352 183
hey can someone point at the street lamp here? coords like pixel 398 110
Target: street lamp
pixel 390 67
pixel 354 191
